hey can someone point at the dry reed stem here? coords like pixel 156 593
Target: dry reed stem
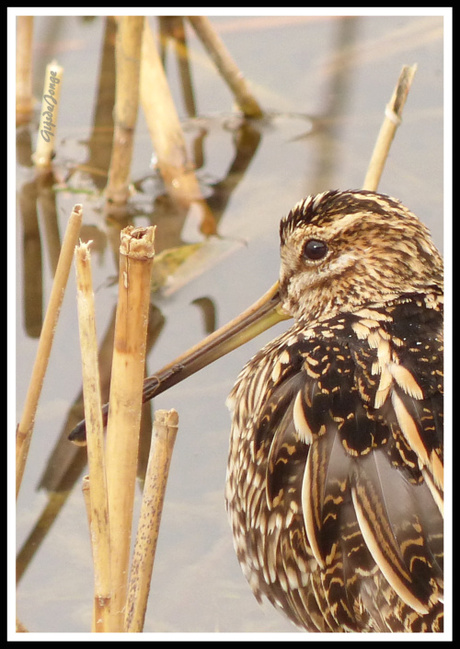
pixel 128 53
pixel 163 439
pixel 49 114
pixel 95 483
pixel 24 95
pixel 25 427
pixel 101 620
pixel 166 133
pixel 226 66
pixel 160 112
pixel 136 258
pixel 393 116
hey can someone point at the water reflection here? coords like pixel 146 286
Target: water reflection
pixel 66 462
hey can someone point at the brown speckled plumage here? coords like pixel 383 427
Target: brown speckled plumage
pixel 335 471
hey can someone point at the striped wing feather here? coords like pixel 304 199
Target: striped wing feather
pixel 349 439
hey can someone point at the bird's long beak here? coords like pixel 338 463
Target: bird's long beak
pixel 262 315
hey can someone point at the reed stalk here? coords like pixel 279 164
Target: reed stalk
pixel 95 484
pixel 24 95
pixel 166 133
pixel 128 53
pixel 160 112
pixel 393 117
pixel 49 116
pixel 163 439
pixel 226 66
pixel 26 424
pixel 136 258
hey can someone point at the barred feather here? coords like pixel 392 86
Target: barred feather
pixel 335 483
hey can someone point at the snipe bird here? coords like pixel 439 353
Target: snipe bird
pixel 335 473
pixel 335 470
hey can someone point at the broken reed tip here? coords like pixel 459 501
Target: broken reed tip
pixel 169 418
pixel 138 242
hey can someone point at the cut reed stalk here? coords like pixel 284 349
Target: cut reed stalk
pixel 166 133
pixel 393 117
pixel 160 112
pixel 163 439
pixel 49 115
pixel 128 53
pixel 226 66
pixel 136 258
pixel 101 620
pixel 25 427
pixel 95 484
pixel 24 95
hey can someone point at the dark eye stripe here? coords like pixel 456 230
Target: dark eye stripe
pixel 315 249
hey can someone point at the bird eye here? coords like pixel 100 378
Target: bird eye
pixel 315 249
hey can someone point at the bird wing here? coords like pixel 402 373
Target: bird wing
pixel 351 425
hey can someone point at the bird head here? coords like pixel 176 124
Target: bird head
pixel 341 250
